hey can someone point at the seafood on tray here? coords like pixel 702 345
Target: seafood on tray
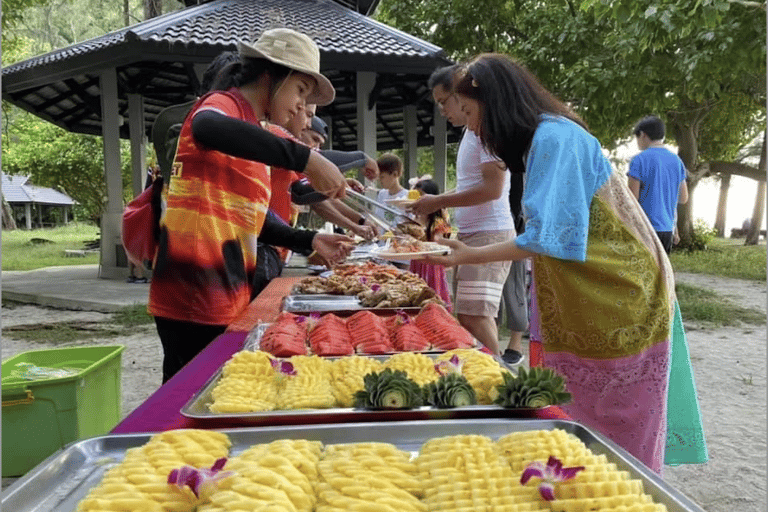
pixel 377 286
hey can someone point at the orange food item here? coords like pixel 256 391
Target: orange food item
pixel 441 329
pixel 286 337
pixel 330 337
pixel 369 333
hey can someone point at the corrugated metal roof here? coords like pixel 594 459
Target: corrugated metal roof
pixel 17 189
pixel 155 59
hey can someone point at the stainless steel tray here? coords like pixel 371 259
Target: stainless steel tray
pixel 61 481
pixel 197 407
pixel 322 303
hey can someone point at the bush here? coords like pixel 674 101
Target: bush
pixel 700 238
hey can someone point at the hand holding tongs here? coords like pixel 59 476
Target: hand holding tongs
pixel 369 204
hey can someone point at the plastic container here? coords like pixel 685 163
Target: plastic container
pixel 42 416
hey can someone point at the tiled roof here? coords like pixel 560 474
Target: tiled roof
pixel 218 25
pixel 17 189
pixel 156 59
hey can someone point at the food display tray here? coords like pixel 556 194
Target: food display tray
pixel 197 406
pixel 305 304
pixel 253 342
pixel 61 481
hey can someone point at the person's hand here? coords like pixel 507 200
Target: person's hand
pixel 425 205
pixel 324 176
pixel 675 238
pixel 355 185
pixel 371 169
pixel 459 254
pixel 332 247
pixel 364 231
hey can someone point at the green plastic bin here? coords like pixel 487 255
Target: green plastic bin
pixel 42 416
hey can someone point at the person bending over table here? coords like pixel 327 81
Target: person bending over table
pixel 602 281
pixel 219 190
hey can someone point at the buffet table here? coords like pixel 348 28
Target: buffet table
pixel 162 410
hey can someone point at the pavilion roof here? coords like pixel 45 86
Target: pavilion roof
pixel 156 60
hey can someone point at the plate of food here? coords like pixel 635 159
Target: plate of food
pixel 409 248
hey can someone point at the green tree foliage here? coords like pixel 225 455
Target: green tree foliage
pixel 66 161
pixel 700 64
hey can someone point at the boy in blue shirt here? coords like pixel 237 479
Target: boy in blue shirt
pixel 657 179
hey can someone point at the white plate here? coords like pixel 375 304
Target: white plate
pixel 401 256
pixel 400 203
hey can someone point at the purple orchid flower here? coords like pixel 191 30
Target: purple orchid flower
pixel 550 474
pixel 453 365
pixel 285 368
pixel 200 481
pixel 375 287
pixel 363 279
pixel 402 317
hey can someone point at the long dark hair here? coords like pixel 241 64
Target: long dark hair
pixel 428 186
pixel 246 70
pixel 512 101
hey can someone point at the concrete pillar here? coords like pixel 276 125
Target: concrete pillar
pixel 440 133
pixel 28 215
pixel 111 220
pixel 366 119
pixel 66 210
pixel 138 142
pixel 411 131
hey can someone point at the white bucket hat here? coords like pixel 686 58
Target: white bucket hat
pixel 295 51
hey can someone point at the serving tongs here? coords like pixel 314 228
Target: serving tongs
pixel 355 199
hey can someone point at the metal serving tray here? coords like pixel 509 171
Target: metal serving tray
pixel 197 407
pixel 58 483
pixel 304 304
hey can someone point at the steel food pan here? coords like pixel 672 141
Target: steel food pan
pixel 61 481
pixel 304 304
pixel 197 408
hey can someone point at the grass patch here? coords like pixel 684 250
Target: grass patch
pixel 132 316
pixel 60 333
pixel 19 253
pixel 725 258
pixel 702 305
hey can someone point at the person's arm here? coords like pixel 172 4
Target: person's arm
pixel 489 189
pixel 278 233
pixel 682 197
pixel 246 140
pixel 330 246
pixel 462 254
pixel 328 211
pixel 634 186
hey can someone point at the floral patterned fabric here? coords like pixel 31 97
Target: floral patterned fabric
pixel 603 290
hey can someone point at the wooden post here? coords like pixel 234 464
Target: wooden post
pixel 138 142
pixel 411 130
pixel 111 244
pixel 366 118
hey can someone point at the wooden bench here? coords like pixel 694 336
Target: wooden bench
pixel 74 253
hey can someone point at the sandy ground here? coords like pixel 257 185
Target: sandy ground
pixel 730 373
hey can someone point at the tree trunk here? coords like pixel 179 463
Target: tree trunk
pixel 685 135
pixel 753 235
pixel 8 221
pixel 126 13
pixel 725 183
pixel 152 8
